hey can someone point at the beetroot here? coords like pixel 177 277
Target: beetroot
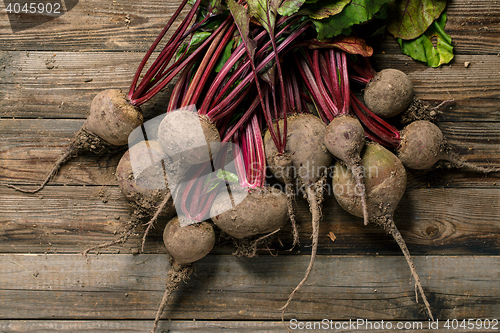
pixel 256 211
pixel 305 147
pixel 309 163
pixel 389 93
pixel 327 79
pixel 142 180
pixel 250 207
pixel 188 137
pixel 345 138
pixel 190 243
pixel 385 182
pixel 423 144
pixel 112 118
pixel 140 177
pixel 185 245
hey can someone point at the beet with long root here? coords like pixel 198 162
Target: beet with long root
pixel 185 245
pixel 111 120
pixel 141 179
pixel 385 180
pixel 309 163
pixel 345 138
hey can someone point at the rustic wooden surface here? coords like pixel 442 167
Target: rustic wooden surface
pixel 449 218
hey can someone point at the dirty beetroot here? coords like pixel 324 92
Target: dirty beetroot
pixel 385 181
pixel 111 120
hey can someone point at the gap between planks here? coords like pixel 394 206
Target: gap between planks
pixel 212 326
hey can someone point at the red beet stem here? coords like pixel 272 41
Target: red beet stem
pixel 207 64
pixel 379 127
pixel 313 89
pixel 132 92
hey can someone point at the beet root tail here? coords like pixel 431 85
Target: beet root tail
pixel 176 275
pixel 290 196
pixel 316 216
pixel 65 157
pixel 459 163
pixel 393 230
pixel 84 141
pixel 151 222
pixel 122 239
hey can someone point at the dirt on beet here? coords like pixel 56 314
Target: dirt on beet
pixel 419 110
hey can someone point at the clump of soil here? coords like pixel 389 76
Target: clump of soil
pixel 102 193
pixel 421 110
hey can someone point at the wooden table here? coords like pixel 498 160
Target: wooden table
pixel 449 218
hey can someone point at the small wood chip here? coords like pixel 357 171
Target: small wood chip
pixel 332 236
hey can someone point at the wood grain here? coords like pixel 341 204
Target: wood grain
pixel 31 90
pixel 94 25
pixel 224 287
pixel 210 326
pixel 69 219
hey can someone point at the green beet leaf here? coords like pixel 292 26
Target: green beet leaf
pixel 227 176
pixel 322 9
pixel 290 7
pixel 356 12
pixel 422 48
pixel 196 40
pixel 264 11
pixel 413 17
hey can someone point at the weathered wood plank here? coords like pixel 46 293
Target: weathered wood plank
pixel 212 326
pixel 74 215
pixel 224 287
pixel 435 221
pixel 61 92
pixel 29 147
pixel 94 25
pixel 63 84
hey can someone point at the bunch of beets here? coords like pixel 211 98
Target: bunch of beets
pixel 271 87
